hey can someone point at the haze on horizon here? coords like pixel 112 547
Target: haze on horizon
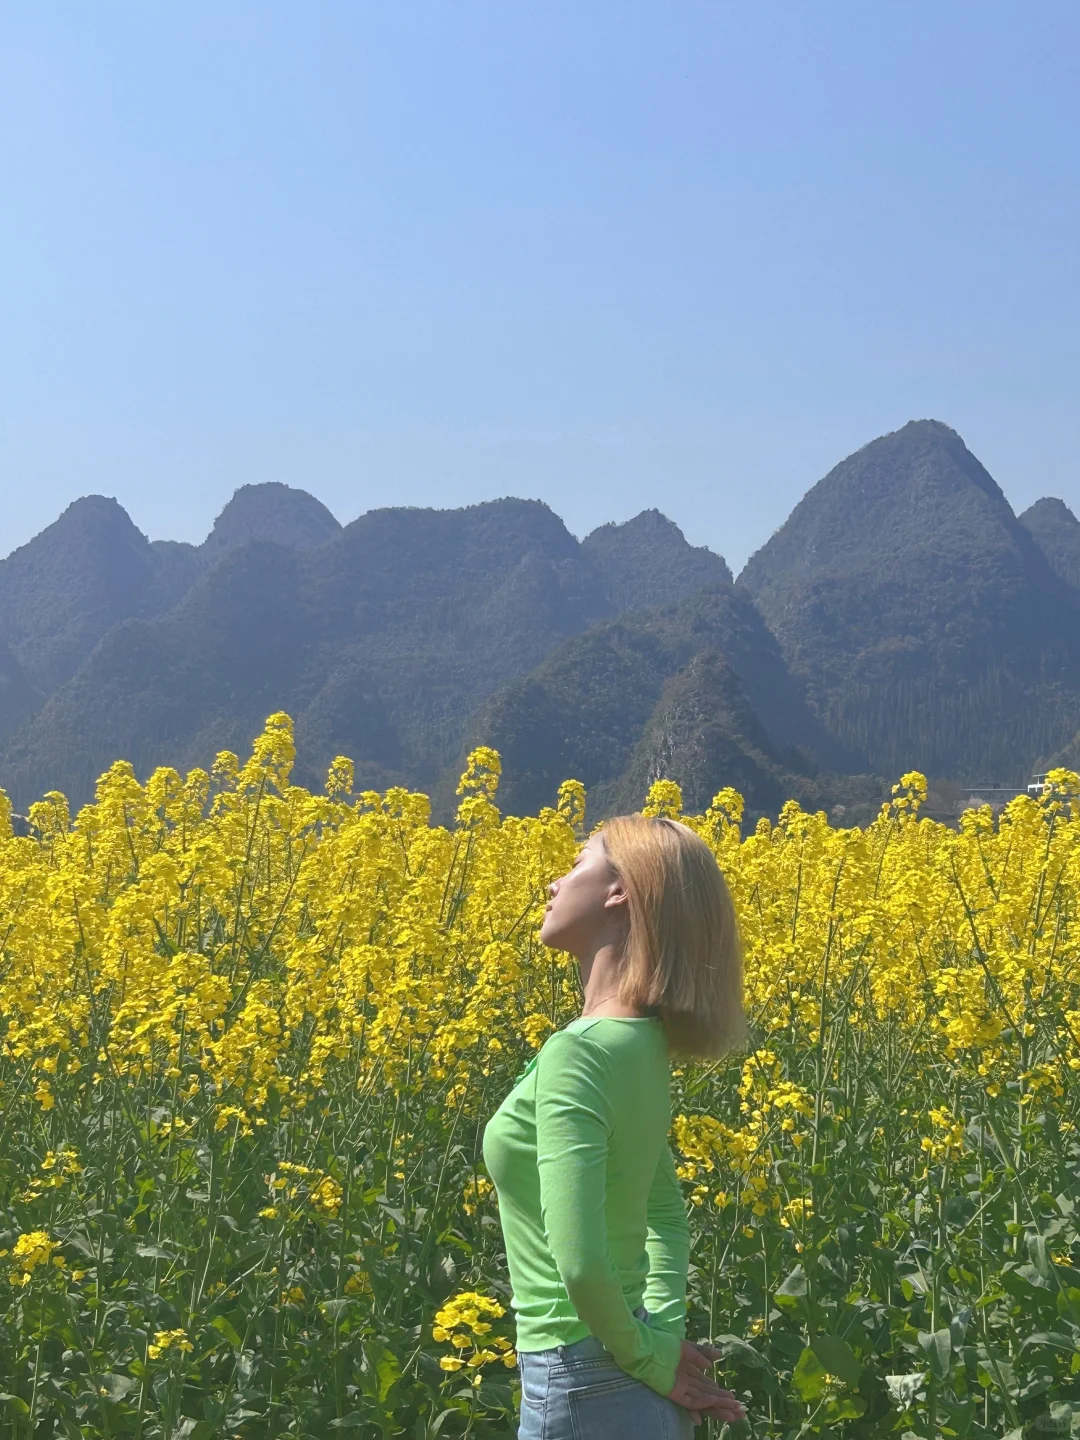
pixel 610 257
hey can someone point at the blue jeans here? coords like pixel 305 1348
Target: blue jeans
pixel 577 1392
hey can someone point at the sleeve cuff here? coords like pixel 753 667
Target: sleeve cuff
pixel 658 1371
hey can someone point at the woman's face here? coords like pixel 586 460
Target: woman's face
pixel 587 907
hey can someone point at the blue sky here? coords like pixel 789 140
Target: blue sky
pixel 609 256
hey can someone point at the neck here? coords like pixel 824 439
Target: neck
pixel 600 973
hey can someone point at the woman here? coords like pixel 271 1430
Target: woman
pixel 593 1219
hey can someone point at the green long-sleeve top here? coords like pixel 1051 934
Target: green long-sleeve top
pixel 592 1213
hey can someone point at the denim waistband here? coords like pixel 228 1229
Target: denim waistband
pixel 589 1347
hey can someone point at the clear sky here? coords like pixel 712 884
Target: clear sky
pixel 609 255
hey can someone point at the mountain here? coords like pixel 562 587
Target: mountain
pixel 647 561
pixel 584 709
pixel 704 734
pixel 382 639
pixel 930 628
pixel 902 617
pixel 93 569
pixel 177 566
pixel 1056 531
pixel 64 589
pixel 271 511
pixel 18 696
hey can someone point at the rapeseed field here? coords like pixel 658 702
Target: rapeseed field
pixel 250 1035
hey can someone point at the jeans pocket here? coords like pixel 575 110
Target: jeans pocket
pixel 616 1409
pixel 534 1376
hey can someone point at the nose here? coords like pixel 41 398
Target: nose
pixel 553 889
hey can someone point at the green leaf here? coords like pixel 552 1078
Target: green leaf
pixel 1053 1338
pixel 736 1348
pixel 904 1389
pixel 118 1387
pixel 809 1376
pixel 153 1252
pixel 958 1325
pixel 14 1403
pixel 791 1290
pixel 1033 1275
pixel 938 1347
pixel 794 1284
pixel 347 1422
pixel 913 1284
pixel 997 1373
pixel 844 1407
pixel 838 1358
pixel 1036 1248
pixel 194 1430
pixel 379 1371
pixel 388 1370
pixel 398 1216
pixel 223 1327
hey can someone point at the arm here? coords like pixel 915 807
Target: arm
pixel 668 1244
pixel 573 1125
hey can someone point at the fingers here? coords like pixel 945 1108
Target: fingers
pixel 695 1355
pixel 697 1380
pixel 703 1356
pixel 693 1396
pixel 706 1401
pixel 702 1391
pixel 731 1412
pixel 702 1395
pixel 730 1408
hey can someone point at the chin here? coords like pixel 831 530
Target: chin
pixel 549 934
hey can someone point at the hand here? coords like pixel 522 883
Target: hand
pixel 697 1392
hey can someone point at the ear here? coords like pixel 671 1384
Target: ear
pixel 617 894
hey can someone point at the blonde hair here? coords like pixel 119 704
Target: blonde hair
pixel 683 954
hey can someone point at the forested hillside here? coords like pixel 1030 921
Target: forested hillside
pixel 611 708
pixel 382 638
pixel 1056 531
pixel 929 625
pixel 902 617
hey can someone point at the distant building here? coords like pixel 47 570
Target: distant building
pixel 993 795
pixel 1037 784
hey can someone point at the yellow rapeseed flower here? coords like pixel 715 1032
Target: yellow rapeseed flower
pixel 30 1250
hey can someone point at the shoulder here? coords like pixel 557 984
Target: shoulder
pixel 572 1053
pixel 600 1045
pixel 566 1044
